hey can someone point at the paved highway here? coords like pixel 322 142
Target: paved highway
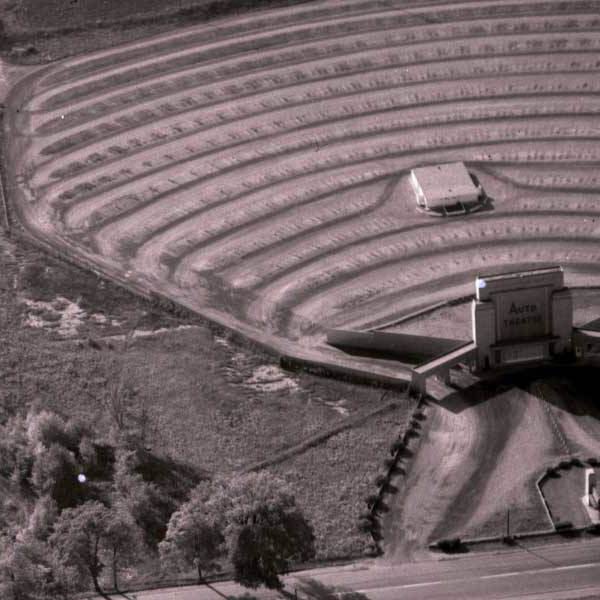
pixel 553 572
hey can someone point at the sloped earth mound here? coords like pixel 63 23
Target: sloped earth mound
pixel 255 168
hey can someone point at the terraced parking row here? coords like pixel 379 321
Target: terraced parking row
pixel 256 169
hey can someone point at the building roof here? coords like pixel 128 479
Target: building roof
pixel 441 184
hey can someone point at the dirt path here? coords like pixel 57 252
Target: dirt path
pixel 10 75
pixel 482 450
pixel 443 459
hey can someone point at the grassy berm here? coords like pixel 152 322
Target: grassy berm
pixel 208 402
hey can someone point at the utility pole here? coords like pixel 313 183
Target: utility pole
pixel 508 522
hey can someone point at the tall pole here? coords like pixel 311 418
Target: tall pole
pixel 508 522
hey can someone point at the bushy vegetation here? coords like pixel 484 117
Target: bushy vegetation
pixel 130 404
pixel 74 504
pixel 70 520
pixel 451 545
pixel 251 521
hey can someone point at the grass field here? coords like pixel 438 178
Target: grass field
pixel 212 403
pixel 54 29
pixel 564 494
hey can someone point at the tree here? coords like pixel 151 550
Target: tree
pixel 85 535
pixel 264 529
pixel 76 539
pixel 55 472
pixel 265 548
pixel 121 541
pixel 28 572
pixel 21 576
pixel 141 499
pixel 194 536
pixel 41 520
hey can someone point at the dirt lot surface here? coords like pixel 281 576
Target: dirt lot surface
pixel 255 168
pixel 482 451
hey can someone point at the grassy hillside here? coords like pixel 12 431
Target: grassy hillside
pixel 52 29
pixel 205 400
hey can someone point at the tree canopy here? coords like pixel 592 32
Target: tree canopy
pixel 256 517
pixel 194 536
pixel 90 536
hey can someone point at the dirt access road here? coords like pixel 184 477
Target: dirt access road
pixel 483 448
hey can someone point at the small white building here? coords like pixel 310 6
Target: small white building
pixel 439 186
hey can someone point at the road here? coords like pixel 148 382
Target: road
pixel 558 571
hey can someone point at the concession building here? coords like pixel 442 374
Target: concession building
pixel 444 189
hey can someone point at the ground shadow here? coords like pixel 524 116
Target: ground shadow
pixel 574 387
pixel 462 399
pixel 313 589
pixel 593 325
pixel 571 388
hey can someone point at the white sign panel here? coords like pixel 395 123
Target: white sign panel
pixel 522 314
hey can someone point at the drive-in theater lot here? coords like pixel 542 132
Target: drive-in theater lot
pixel 255 170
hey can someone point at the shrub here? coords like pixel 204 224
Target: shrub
pixel 396 446
pixel 593 461
pixel 563 525
pixel 380 480
pixel 365 526
pixel 552 472
pixel 371 500
pixel 372 550
pixel 450 544
pixel 509 540
pixel 376 535
pixel 577 462
pixel 389 463
pixel 367 516
pixel 564 464
pixel 594 529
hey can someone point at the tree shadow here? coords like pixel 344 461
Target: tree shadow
pixel 216 591
pixel 315 590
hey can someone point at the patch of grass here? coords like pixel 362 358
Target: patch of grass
pixel 54 29
pixel 564 496
pixel 332 481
